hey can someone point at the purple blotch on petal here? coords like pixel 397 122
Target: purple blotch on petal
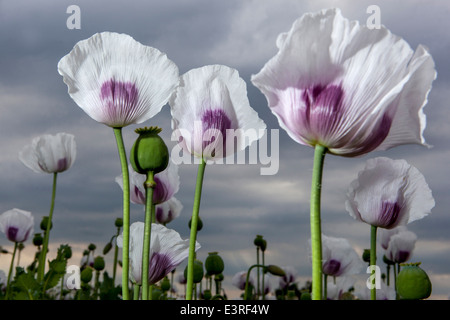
pixel 331 267
pixel 402 256
pixel 120 98
pixel 12 233
pixel 389 214
pixel 62 165
pixel 215 119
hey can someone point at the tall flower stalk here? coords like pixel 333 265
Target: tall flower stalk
pixel 194 225
pixel 126 211
pixel 149 156
pixel 43 254
pixel 49 154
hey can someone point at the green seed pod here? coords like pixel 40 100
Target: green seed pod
pixel 86 275
pixel 44 223
pixel 99 263
pixel 207 294
pixel 165 284
pixel 118 223
pixel 149 152
pixel 107 248
pixel 214 263
pixel 92 247
pixel 366 255
pixel 38 240
pixel 275 270
pixel 258 241
pixel 413 282
pixel 198 271
pixel 199 224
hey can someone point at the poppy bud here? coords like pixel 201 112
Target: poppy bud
pixel 92 247
pixel 119 222
pixel 258 241
pixel 413 282
pixel 38 240
pixel 199 224
pixel 207 294
pixel 366 255
pixel 86 275
pixel 149 153
pixel 198 271
pixel 275 270
pixel 107 248
pixel 165 284
pixel 99 263
pixel 214 263
pixel 44 223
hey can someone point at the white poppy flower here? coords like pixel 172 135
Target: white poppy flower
pixel 167 251
pixel 210 109
pixel 346 87
pixel 116 80
pixel 17 224
pixel 389 193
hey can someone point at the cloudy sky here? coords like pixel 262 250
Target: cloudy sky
pixel 238 202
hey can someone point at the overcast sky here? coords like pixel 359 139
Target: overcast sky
pixel 238 202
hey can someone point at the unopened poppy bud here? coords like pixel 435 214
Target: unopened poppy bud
pixel 165 284
pixel 67 252
pixel 275 270
pixel 264 245
pixel 86 275
pixel 44 223
pixel 198 271
pixel 199 224
pixel 413 282
pixel 107 248
pixel 214 263
pixel 38 240
pixel 366 255
pixel 149 152
pixel 92 247
pixel 99 263
pixel 118 223
pixel 258 241
pixel 207 294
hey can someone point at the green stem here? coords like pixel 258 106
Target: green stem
pixel 248 278
pixel 388 272
pixel 10 270
pixel 43 254
pixel 126 213
pixel 149 185
pixel 193 236
pixel 316 233
pixel 373 259
pixel 116 253
pixel 136 288
pixel 257 274
pixel 325 293
pixel 263 276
